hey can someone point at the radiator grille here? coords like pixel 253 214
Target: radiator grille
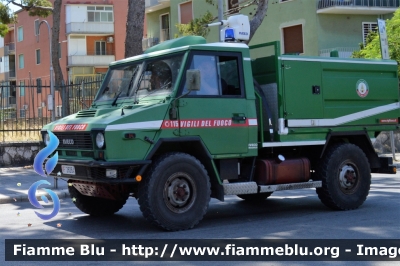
pixel 81 141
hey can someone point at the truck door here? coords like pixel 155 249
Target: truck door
pixel 302 89
pixel 218 111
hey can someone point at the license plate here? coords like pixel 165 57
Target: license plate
pixel 68 169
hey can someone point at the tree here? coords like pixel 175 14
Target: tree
pixel 40 8
pixel 197 25
pixel 373 49
pixel 134 28
pixel 55 38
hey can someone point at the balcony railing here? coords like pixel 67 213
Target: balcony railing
pixel 90 27
pixel 149 42
pixel 100 52
pixel 90 60
pixel 358 6
pixel 154 5
pixel 10 75
pixel 360 3
pixel 164 35
pixel 149 3
pixel 344 52
pixel 9 48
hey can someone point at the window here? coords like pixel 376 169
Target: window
pixel 37 56
pixel 22 113
pixel 40 111
pixel 293 39
pixel 367 27
pixel 100 47
pixel 185 12
pixel 219 75
pixel 21 61
pixel 36 27
pixel 100 13
pixel 22 88
pixel 20 36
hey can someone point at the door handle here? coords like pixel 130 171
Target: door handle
pixel 239 118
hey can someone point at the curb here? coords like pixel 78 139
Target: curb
pixel 12 198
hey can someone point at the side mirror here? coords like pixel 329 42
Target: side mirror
pixel 193 80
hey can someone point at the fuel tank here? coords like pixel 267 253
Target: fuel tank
pixel 271 172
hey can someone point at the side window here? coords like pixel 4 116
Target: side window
pixel 229 69
pixel 219 75
pixel 207 64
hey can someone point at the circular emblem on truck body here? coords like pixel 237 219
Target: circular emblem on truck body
pixel 362 88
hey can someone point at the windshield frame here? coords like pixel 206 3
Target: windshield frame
pixel 134 87
pixel 107 80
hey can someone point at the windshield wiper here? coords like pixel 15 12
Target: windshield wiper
pixel 129 86
pixel 133 77
pixel 138 87
pixel 116 98
pixel 163 87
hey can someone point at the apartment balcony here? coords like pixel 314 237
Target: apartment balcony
pixel 10 75
pixel 357 7
pixel 344 52
pixel 164 35
pixel 90 60
pixel 149 42
pixel 9 48
pixel 154 5
pixel 90 28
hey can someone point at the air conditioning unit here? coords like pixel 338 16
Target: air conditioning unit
pixel 25 107
pixel 43 104
pixel 110 39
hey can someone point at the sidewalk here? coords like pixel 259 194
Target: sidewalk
pixel 16 181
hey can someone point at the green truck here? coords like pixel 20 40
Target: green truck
pixel 188 121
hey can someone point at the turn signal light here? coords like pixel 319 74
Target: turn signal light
pixel 138 178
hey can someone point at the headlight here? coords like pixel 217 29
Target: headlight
pixel 100 140
pixel 46 139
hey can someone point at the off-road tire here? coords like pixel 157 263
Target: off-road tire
pixel 346 177
pixel 255 197
pixel 175 193
pixel 96 206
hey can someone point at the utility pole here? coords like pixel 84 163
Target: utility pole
pixel 50 102
pixel 220 16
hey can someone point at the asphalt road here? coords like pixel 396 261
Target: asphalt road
pixel 296 214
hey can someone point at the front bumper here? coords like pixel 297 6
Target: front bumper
pixel 95 171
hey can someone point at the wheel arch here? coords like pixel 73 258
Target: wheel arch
pixel 358 138
pixel 193 146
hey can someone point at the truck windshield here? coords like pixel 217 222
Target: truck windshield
pixel 153 77
pixel 118 82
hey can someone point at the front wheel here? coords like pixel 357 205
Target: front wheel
pixel 346 177
pixel 175 193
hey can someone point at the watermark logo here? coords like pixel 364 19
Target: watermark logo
pixel 32 198
pixel 42 155
pixel 49 167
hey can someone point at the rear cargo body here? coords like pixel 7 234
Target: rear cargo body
pixel 311 96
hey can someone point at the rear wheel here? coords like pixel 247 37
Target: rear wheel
pixel 175 193
pixel 346 177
